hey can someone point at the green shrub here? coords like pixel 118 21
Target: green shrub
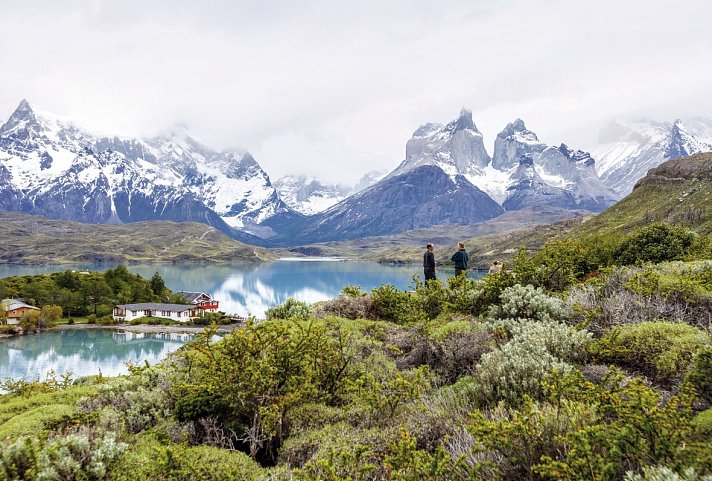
pixel 633 428
pixel 149 460
pixel 700 374
pixel 513 370
pixel 655 243
pixel 34 420
pixel 71 457
pixel 557 265
pixel 77 456
pixel 528 302
pixel 663 473
pixel 703 424
pixel 519 438
pixel 391 304
pixel 290 309
pixel 661 349
pixel 19 460
pixel 135 402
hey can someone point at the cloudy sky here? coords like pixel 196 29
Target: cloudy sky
pixel 335 88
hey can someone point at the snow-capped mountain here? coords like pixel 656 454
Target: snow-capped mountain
pixel 50 166
pixel 458 149
pixel 448 177
pixel 420 197
pixel 368 179
pixel 627 150
pixel 307 195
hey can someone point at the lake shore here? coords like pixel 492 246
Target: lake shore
pixel 145 328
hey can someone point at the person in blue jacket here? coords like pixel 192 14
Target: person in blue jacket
pixel 460 260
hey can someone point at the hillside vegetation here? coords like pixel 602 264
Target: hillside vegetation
pixel 578 363
pixel 29 239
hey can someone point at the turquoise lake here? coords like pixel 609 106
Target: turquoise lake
pixel 253 288
pixel 240 288
pixel 82 352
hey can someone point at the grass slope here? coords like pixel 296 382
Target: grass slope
pixel 29 239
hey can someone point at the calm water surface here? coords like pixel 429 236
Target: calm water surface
pixel 83 352
pixel 241 289
pixel 253 288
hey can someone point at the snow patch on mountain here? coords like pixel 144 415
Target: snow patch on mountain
pixel 51 161
pixel 308 195
pixel 628 149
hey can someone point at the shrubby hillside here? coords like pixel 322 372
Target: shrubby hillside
pixel 583 361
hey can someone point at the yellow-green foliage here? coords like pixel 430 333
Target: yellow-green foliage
pixel 148 459
pixel 662 349
pixel 703 424
pixel 34 420
pixel 25 415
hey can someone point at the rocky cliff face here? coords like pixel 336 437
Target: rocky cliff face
pixel 528 189
pixel 457 147
pixel 695 167
pixel 512 143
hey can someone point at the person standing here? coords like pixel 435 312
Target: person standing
pixel 460 259
pixel 496 268
pixel 429 263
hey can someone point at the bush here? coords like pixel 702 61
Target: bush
pixel 149 460
pixel 700 374
pixel 703 424
pixel 527 302
pixel 391 304
pixel 513 370
pixel 655 243
pixel 534 351
pixel 663 473
pixel 135 402
pixel 662 350
pixel 78 456
pixel 347 306
pixel 290 309
pixel 85 456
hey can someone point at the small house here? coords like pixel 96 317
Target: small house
pixel 15 308
pixel 176 312
pixel 200 299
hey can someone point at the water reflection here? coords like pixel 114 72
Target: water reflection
pixel 83 352
pixel 253 288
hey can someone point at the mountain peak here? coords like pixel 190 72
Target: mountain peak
pixel 24 106
pixel 518 127
pixel 463 122
pixel 681 143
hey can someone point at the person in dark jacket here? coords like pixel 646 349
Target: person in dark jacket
pixel 429 263
pixel 460 259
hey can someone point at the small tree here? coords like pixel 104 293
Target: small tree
pixel 157 284
pixel 3 314
pixel 49 315
pixel 30 320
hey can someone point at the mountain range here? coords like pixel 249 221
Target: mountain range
pixel 50 166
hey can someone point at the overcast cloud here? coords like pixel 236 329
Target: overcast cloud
pixel 335 88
